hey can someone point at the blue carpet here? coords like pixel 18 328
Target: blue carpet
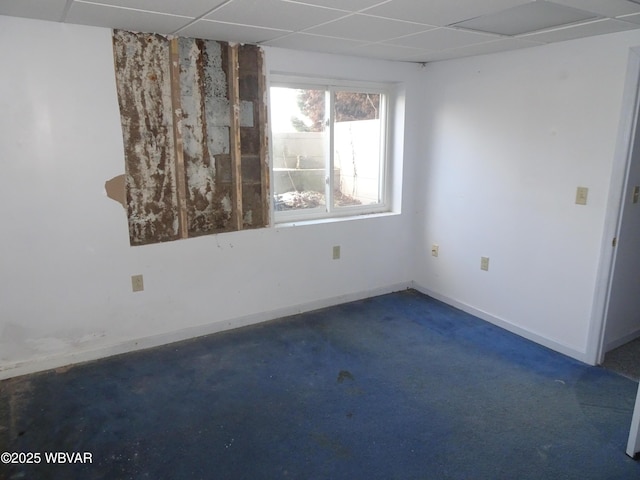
pixel 399 386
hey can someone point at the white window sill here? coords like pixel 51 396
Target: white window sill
pixel 346 218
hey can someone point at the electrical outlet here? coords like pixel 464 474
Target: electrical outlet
pixel 484 263
pixel 434 250
pixel 137 284
pixel 336 252
pixel 581 195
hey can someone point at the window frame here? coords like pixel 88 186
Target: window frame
pixel 330 86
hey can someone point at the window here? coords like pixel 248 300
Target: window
pixel 328 148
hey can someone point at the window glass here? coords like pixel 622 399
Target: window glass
pixel 300 143
pixel 357 149
pixel 328 150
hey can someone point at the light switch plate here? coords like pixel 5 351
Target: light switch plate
pixel 336 252
pixel 484 263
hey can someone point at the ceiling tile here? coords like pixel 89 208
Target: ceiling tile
pixel 126 19
pixel 230 32
pixel 363 27
pixel 346 5
pixel 385 51
pixel 38 9
pixel 631 18
pixel 608 8
pixel 190 8
pixel 598 27
pixel 527 18
pixel 316 43
pixel 480 49
pixel 273 14
pixel 441 12
pixel 442 38
pixel 414 30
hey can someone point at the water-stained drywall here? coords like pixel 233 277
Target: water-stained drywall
pixel 144 95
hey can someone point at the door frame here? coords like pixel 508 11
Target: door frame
pixel 630 111
pixel 633 445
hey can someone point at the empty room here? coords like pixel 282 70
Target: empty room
pixel 320 239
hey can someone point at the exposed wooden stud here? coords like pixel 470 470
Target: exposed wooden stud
pixel 234 134
pixel 181 179
pixel 263 121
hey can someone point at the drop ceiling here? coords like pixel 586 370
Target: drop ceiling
pixel 401 30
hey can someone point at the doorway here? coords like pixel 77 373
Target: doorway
pixel 621 320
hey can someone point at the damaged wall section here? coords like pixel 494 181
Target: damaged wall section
pixel 253 121
pixel 144 95
pixel 179 136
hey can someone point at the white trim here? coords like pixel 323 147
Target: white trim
pixel 506 325
pixel 621 341
pixel 633 445
pixel 619 173
pixel 284 79
pixel 67 359
pixel 315 221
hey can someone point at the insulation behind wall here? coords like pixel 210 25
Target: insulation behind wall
pixel 205 134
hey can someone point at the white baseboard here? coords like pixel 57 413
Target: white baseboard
pixel 502 323
pixel 104 351
pixel 621 341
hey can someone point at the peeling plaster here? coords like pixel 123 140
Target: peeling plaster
pixel 116 189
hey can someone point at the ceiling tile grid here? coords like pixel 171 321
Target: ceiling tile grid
pixel 402 30
pixel 124 18
pixel 363 27
pixel 441 12
pixel 274 14
pixel 229 32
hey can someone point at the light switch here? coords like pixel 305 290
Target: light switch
pixel 484 263
pixel 636 194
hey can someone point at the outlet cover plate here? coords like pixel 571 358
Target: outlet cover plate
pixel 581 195
pixel 137 283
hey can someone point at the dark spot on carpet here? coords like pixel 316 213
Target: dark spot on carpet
pixel 345 375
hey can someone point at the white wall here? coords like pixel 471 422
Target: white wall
pixel 494 149
pixel 508 138
pixel 65 266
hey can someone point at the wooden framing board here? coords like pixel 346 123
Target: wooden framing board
pixel 234 134
pixel 181 180
pixel 263 119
